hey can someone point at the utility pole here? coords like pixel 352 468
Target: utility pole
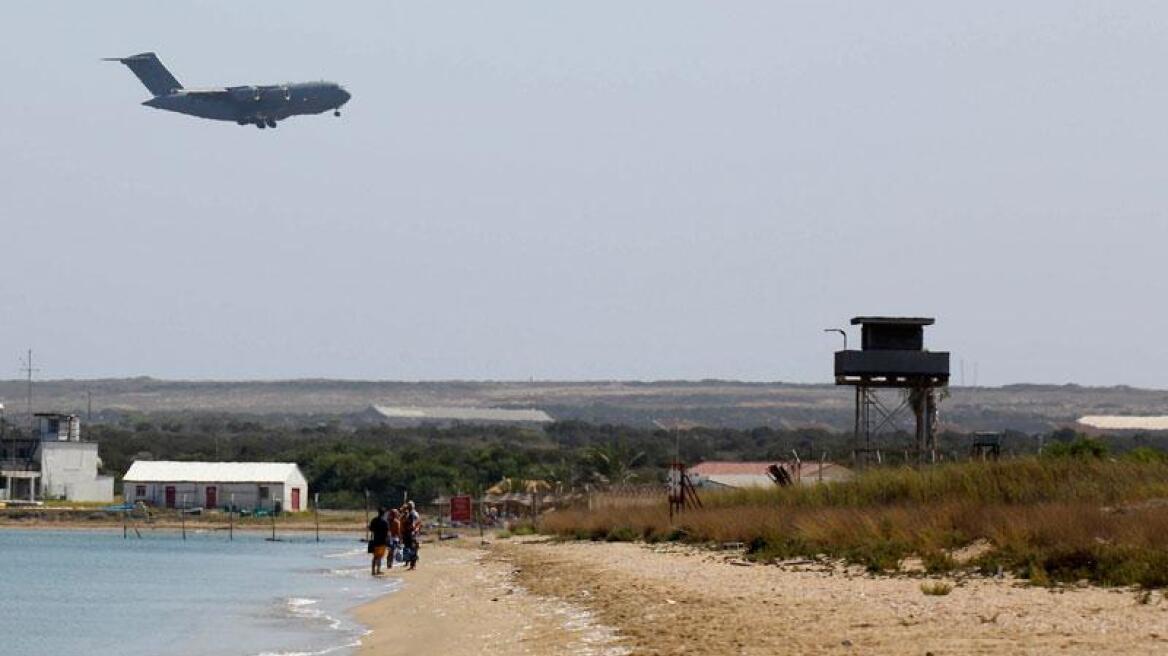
pixel 29 370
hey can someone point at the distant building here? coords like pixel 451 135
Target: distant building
pixel 722 474
pixel 408 416
pixel 249 485
pixel 53 463
pixel 1124 423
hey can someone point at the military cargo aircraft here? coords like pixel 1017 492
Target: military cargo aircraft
pixel 261 106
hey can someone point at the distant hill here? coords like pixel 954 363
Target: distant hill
pixel 709 402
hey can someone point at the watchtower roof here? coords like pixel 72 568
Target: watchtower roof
pixel 893 321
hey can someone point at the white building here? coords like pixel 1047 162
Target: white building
pixel 416 415
pixel 54 463
pixel 247 485
pixel 722 474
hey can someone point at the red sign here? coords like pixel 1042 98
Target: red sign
pixel 460 510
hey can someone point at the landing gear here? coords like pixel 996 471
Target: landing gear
pixel 260 125
pixel 271 123
pixel 336 112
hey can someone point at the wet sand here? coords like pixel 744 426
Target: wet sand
pixel 538 597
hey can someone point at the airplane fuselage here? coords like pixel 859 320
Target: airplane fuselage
pixel 254 104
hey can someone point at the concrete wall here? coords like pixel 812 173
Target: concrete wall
pixel 69 470
pixel 296 480
pixel 247 495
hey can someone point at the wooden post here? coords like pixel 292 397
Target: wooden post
pixel 183 514
pixel 482 537
pixel 367 536
pixel 273 516
pixel 231 519
pixel 125 530
pixel 316 513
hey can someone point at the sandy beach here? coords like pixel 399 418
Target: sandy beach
pixel 464 600
pixel 538 597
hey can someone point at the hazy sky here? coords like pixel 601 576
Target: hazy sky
pixel 658 189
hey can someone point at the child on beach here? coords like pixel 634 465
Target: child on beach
pixel 394 537
pixel 411 524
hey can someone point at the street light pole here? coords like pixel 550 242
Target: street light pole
pixel 842 333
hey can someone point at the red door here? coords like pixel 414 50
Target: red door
pixel 212 497
pixel 295 499
pixel 169 496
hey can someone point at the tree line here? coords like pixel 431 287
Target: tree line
pixel 342 462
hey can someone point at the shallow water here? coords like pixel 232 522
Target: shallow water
pixel 81 592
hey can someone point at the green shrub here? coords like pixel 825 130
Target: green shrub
pixel 938 562
pixel 1081 447
pixel 623 534
pixel 526 528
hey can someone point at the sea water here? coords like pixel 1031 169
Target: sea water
pixel 85 592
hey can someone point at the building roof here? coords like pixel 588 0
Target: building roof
pixel 169 471
pixel 1119 422
pixel 451 413
pixel 910 321
pixel 719 467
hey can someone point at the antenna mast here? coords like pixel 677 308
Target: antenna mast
pixel 29 370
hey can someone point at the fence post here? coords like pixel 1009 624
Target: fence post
pixel 367 536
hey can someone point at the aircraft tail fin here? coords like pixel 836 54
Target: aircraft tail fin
pixel 151 71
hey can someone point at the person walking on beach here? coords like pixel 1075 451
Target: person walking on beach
pixel 411 523
pixel 379 539
pixel 394 536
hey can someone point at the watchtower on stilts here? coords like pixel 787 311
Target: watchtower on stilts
pixel 892 356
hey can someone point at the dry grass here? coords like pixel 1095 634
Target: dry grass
pixel 936 588
pixel 1049 521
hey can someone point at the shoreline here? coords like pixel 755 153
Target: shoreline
pixel 670 598
pixel 463 601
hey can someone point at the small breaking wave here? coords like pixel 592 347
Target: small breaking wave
pixel 304 608
pixel 346 554
pixel 321 652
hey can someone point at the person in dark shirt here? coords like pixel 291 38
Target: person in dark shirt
pixel 378 539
